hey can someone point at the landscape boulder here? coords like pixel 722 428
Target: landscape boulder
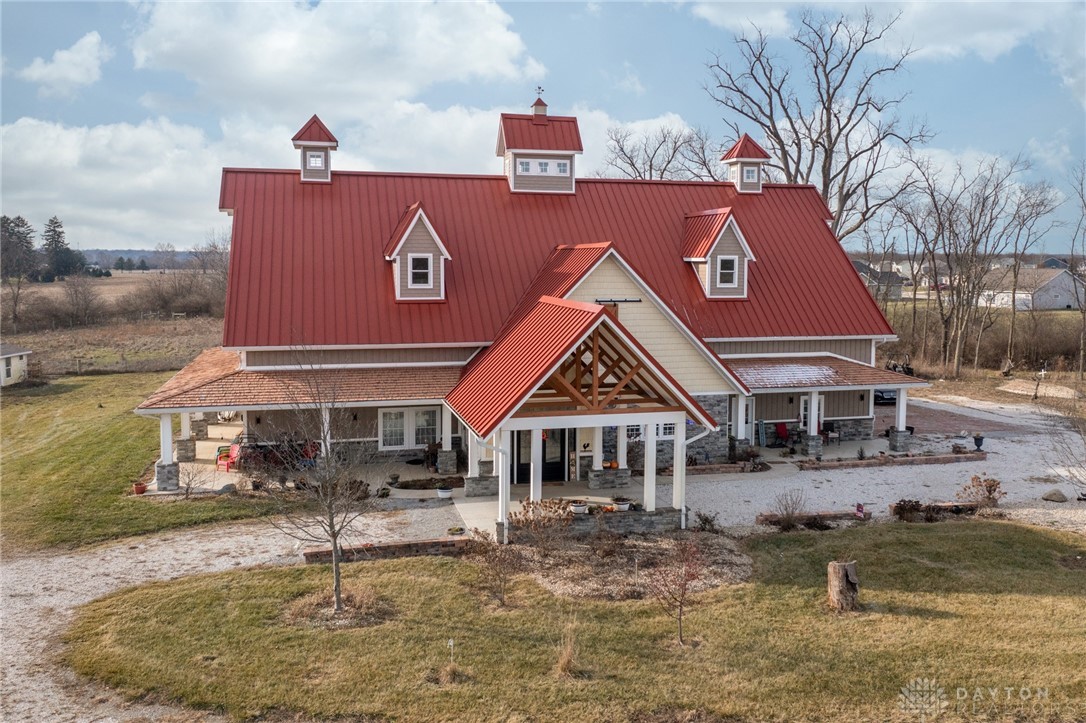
pixel 1054 495
pixel 228 489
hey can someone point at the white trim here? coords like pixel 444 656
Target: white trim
pixel 548 160
pixel 793 355
pixel 409 430
pixel 595 420
pixel 359 365
pixel 320 155
pixel 276 407
pixel 841 388
pixel 879 337
pixel 543 153
pixel 734 271
pixel 301 145
pixel 695 340
pixel 429 271
pixel 411 227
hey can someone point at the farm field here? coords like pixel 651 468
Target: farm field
pixel 109 288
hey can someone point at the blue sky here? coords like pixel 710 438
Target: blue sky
pixel 118 117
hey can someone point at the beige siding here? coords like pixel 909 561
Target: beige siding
pixel 419 241
pixel 17 365
pixel 728 245
pixel 288 424
pixel 857 349
pixel 354 423
pixel 838 405
pixel 775 407
pixel 318 357
pixel 652 328
pixel 846 404
pixel 311 174
pixel 743 185
pixel 528 182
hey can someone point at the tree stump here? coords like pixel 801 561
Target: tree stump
pixel 844 586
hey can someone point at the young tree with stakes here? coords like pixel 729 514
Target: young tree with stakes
pixel 672 581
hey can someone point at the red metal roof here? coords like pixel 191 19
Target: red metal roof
pixel 307 263
pixel 701 232
pixel 525 354
pixel 314 130
pixel 566 265
pixel 539 133
pixel 745 147
pixel 763 373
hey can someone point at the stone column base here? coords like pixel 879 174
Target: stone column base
pixel 185 450
pixel 812 445
pixel 899 440
pixel 486 468
pixel 446 461
pixel 167 476
pixel 481 486
pixel 599 479
pixel 199 428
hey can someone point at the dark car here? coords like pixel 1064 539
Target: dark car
pixel 885 396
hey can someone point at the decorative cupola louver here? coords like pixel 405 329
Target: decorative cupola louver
pixel 316 143
pixel 539 150
pixel 744 164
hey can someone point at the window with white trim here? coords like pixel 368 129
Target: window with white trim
pixel 540 167
pixel 544 167
pixel 420 271
pixel 665 431
pixel 750 175
pixel 562 168
pixel 314 160
pixel 408 428
pixel 727 271
pixel 7 368
pixel 524 166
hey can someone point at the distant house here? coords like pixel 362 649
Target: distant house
pixel 1055 262
pixel 15 363
pixel 886 284
pixel 1040 289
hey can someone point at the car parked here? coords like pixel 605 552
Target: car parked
pixel 885 396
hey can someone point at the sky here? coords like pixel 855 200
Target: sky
pixel 118 117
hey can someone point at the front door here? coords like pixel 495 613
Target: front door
pixel 554 456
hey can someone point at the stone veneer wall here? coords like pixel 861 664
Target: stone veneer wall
pixel 850 429
pixel 664 519
pixel 711 448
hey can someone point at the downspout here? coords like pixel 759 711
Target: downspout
pixel 504 454
pixel 686 443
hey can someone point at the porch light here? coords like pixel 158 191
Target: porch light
pixel 791 400
pixel 861 396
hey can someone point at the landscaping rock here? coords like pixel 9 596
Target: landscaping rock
pixel 1054 495
pixel 228 489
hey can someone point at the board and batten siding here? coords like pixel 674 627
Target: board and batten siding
pixel 298 424
pixel 838 405
pixel 857 349
pixel 419 241
pixel 728 245
pixel 536 182
pixel 321 357
pixel 652 328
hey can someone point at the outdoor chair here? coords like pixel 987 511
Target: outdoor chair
pixel 782 435
pixel 830 433
pixel 228 459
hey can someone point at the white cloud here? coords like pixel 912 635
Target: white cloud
pixel 346 60
pixel 1052 153
pixel 630 82
pixel 744 17
pixel 71 68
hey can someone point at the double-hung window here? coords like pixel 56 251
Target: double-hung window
pixel 409 428
pixel 420 271
pixel 727 271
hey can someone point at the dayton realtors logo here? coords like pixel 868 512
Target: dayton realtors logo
pixel 924 698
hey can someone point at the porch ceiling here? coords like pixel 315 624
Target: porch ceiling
pixel 762 374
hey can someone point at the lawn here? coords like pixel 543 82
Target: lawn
pixel 967 604
pixel 70 453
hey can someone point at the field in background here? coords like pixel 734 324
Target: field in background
pixel 109 289
pixel 121 346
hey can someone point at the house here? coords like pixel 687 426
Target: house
pixel 1041 289
pixel 16 359
pixel 883 284
pixel 541 322
pixel 1055 262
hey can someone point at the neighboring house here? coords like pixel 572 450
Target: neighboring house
pixel 1055 262
pixel 1043 289
pixel 15 360
pixel 881 284
pixel 540 322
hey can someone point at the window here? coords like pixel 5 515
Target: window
pixel 665 431
pixel 419 271
pixel 425 427
pixel 7 368
pixel 544 167
pixel 750 175
pixel 726 271
pixel 314 160
pixel 392 431
pixel 524 166
pixel 562 168
pixel 409 428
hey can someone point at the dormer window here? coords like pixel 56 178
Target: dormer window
pixel 539 151
pixel 750 174
pixel 525 166
pixel 726 271
pixel 421 271
pixel 316 143
pixel 314 160
pixel 563 168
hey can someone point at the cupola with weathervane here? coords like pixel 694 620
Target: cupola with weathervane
pixel 744 165
pixel 539 150
pixel 316 143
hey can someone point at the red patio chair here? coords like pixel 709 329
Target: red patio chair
pixel 783 436
pixel 228 459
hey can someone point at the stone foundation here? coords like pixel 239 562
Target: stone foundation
pixel 167 476
pixel 899 440
pixel 185 450
pixel 198 427
pixel 441 547
pixel 665 519
pixel 446 461
pixel 854 429
pixel 599 479
pixel 481 486
pixel 812 445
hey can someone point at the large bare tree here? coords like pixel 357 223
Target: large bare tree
pixel 1033 222
pixel 826 120
pixel 1077 259
pixel 666 152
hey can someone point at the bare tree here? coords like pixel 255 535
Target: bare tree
pixel 672 582
pixel 1077 260
pixel 666 152
pixel 1032 223
pixel 211 260
pixel 831 126
pixel 82 302
pixel 165 256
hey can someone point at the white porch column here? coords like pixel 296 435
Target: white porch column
pixel 326 430
pixel 501 461
pixel 597 448
pixel 473 454
pixel 165 439
pixel 446 428
pixel 650 467
pixel 678 466
pixel 535 491
pixel 621 446
pixel 740 426
pixel 186 425
pixel 812 413
pixel 900 408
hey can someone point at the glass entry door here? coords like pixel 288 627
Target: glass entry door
pixel 554 456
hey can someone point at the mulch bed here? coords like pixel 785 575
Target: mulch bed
pixel 430 483
pixel 891 460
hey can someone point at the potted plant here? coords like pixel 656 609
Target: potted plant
pixel 138 488
pixel 578 507
pixel 978 439
pixel 622 504
pixel 444 491
pixel 393 479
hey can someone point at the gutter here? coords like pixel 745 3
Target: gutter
pixel 501 488
pixel 695 438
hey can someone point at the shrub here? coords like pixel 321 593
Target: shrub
pixel 501 562
pixel 861 453
pixel 789 506
pixel 985 492
pixel 706 521
pixel 542 524
pixel 907 510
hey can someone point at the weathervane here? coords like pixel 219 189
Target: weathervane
pixel 539 91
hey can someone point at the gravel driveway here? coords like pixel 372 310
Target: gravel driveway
pixel 41 591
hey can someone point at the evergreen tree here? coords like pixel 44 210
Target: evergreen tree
pixel 60 259
pixel 129 264
pixel 18 260
pixel 119 263
pixel 142 265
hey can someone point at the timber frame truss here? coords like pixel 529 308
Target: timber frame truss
pixel 603 375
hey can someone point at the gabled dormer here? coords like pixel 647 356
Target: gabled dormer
pixel 418 257
pixel 744 165
pixel 539 150
pixel 316 143
pixel 714 245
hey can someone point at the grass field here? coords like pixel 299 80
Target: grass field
pixel 69 453
pixel 966 604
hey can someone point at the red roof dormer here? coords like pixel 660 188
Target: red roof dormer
pixel 316 143
pixel 314 132
pixel 744 164
pixel 745 148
